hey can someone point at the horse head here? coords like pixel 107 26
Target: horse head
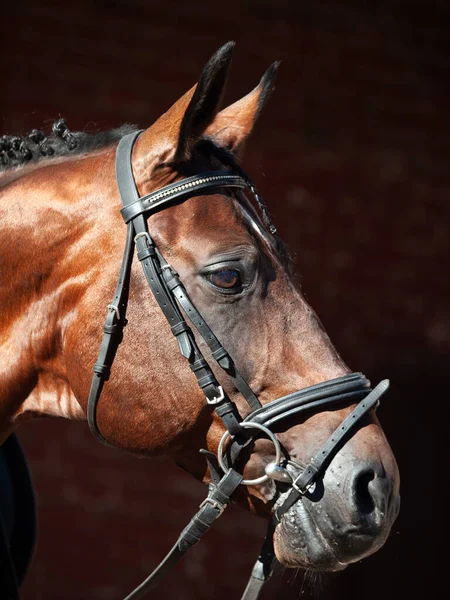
pixel 238 277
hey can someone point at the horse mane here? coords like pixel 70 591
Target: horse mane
pixel 36 146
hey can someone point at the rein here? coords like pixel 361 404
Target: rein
pixel 172 299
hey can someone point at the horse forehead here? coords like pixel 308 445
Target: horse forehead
pixel 212 219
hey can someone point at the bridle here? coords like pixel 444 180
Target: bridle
pixel 173 301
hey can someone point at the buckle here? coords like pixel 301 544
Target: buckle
pixel 115 310
pixel 144 234
pixel 170 269
pixel 215 504
pixel 218 398
pixel 307 488
pixel 297 489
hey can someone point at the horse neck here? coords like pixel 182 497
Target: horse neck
pixel 54 224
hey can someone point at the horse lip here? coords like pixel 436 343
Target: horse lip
pixel 325 557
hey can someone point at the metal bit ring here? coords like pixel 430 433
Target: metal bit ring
pixel 270 435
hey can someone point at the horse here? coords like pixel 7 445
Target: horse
pixel 222 359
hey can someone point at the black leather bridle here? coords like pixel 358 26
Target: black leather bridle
pixel 174 302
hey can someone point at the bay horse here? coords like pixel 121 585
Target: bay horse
pixel 288 432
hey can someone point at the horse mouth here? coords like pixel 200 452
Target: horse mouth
pixel 300 542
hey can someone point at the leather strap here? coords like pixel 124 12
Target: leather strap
pixel 335 391
pixel 219 353
pixel 188 346
pixel 124 172
pixel 348 388
pixel 263 567
pixel 210 509
pixel 147 255
pixel 112 336
pixel 317 464
pixel 115 320
pixel 156 274
pixel 170 560
pixel 177 191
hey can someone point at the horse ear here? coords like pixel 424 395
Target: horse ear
pixel 233 125
pixel 185 122
pixel 205 101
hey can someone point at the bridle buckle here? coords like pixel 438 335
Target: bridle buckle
pixel 115 310
pixel 215 504
pixel 299 490
pixel 308 487
pixel 143 234
pixel 218 398
pixel 169 269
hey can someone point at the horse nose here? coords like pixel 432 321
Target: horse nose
pixel 371 491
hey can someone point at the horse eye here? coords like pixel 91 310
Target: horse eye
pixel 226 279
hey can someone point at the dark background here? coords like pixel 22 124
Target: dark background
pixel 351 156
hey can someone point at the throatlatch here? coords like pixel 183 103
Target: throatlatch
pixel 172 299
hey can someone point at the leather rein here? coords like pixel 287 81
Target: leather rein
pixel 174 302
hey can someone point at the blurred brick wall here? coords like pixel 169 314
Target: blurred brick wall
pixel 352 157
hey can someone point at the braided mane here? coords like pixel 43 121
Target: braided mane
pixel 36 146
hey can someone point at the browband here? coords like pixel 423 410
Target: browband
pixel 179 190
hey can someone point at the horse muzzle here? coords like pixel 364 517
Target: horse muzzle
pixel 341 519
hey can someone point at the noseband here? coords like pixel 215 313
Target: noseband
pixel 172 299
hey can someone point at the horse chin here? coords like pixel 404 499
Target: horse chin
pixel 300 543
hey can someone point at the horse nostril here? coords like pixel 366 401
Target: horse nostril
pixel 372 491
pixel 362 492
